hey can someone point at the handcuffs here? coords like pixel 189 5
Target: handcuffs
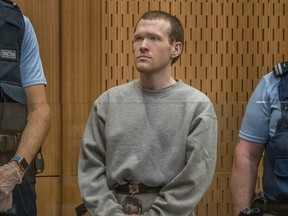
pixel 131 204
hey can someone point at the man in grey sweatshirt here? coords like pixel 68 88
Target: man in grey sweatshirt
pixel 149 146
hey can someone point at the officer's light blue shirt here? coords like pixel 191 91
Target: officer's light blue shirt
pixel 263 111
pixel 31 69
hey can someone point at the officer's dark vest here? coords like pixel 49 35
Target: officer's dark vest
pixel 275 176
pixel 12 94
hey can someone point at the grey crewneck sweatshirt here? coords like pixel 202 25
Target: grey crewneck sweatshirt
pixel 166 137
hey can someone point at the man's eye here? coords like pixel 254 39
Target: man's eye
pixel 137 39
pixel 154 38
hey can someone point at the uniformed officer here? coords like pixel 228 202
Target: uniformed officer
pixel 264 127
pixel 24 111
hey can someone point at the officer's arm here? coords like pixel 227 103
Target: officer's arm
pixel 244 173
pixel 38 122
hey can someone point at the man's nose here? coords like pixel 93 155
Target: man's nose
pixel 144 45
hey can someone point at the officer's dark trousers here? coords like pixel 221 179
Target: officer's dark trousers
pixel 24 196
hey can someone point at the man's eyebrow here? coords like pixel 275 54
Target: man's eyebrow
pixel 148 34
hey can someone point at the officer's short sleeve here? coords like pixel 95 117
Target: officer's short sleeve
pixel 255 123
pixel 30 62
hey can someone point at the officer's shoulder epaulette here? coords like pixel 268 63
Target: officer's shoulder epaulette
pixel 280 69
pixel 11 3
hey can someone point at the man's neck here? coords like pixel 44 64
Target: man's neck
pixel 153 82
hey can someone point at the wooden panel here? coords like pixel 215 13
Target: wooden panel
pixel 80 73
pixel 71 195
pixel 81 55
pixel 48 196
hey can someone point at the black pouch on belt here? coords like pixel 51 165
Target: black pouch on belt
pixel 13 118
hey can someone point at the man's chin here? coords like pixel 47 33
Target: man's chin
pixel 143 69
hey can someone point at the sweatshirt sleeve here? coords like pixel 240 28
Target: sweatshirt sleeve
pixel 98 198
pixel 181 195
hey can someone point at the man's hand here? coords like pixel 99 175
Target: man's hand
pixel 9 177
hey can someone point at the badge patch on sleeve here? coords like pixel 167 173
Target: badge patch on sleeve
pixel 8 54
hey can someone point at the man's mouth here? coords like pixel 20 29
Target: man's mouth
pixel 143 57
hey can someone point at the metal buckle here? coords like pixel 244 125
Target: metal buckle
pixel 133 189
pixel 132 205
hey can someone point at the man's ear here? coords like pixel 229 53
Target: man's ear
pixel 177 49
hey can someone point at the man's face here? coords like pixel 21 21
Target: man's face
pixel 151 47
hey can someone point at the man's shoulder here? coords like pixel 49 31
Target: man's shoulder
pixel 269 83
pixel 194 93
pixel 119 89
pixel 116 91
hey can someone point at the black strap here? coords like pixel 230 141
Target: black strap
pixel 81 209
pixel 39 162
pixel 137 189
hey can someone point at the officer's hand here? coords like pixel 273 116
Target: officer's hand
pixel 9 177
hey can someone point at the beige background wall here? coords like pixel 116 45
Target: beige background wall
pixel 86 48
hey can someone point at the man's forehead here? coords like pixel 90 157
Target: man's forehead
pixel 158 21
pixel 159 25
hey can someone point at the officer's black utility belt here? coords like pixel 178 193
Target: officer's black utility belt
pixel 136 189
